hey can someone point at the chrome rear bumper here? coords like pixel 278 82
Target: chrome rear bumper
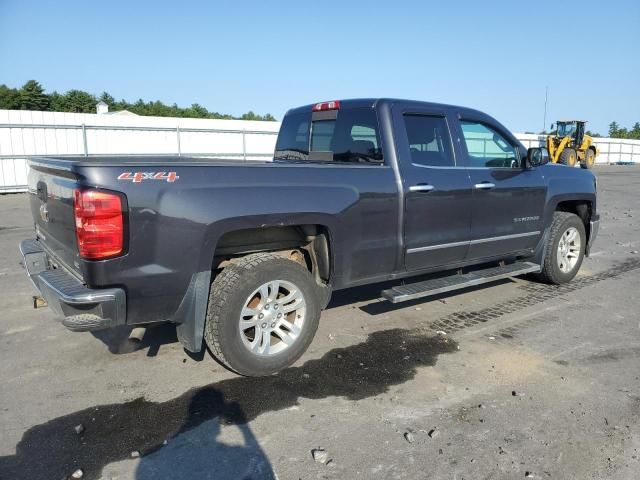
pixel 81 308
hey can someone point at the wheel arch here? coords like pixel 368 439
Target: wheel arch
pixel 312 240
pixel 577 205
pixel 582 208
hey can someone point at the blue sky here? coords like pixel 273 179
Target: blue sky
pixel 233 56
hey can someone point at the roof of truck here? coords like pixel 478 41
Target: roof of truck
pixel 373 102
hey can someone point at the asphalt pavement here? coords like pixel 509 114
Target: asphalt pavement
pixel 511 380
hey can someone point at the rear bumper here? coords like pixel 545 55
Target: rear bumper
pixel 594 227
pixel 81 308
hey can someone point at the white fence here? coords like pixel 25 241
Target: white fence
pixel 24 134
pixel 28 133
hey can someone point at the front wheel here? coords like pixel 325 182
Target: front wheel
pixel 568 157
pixel 564 250
pixel 263 313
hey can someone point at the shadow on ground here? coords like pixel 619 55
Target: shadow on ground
pixel 155 336
pixel 190 423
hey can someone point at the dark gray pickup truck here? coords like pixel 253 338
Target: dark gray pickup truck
pixel 244 256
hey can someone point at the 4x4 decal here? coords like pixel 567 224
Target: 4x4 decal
pixel 138 177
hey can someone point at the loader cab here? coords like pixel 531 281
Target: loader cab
pixel 571 128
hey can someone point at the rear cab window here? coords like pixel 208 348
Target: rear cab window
pixel 343 135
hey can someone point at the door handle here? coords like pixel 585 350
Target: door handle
pixel 484 185
pixel 421 188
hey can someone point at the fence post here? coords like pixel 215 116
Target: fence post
pixel 178 139
pixel 84 140
pixel 244 145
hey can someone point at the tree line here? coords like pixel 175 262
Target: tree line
pixel 32 96
pixel 616 131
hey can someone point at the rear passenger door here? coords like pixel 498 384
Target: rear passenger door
pixel 437 191
pixel 508 199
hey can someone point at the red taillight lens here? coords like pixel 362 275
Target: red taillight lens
pixel 322 106
pixel 99 223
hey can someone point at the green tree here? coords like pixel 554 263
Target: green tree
pixel 79 101
pixel 56 102
pixel 613 129
pixel 622 133
pixel 32 97
pixel 9 98
pixel 196 111
pixel 250 116
pixel 108 99
pixel 635 131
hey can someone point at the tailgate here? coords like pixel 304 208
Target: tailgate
pixel 51 200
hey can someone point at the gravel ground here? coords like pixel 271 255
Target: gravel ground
pixel 513 380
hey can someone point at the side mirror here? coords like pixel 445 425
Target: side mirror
pixel 551 127
pixel 537 156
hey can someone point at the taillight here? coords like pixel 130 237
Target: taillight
pixel 99 223
pixel 322 106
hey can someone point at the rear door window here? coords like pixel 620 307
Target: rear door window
pixel 429 140
pixel 349 135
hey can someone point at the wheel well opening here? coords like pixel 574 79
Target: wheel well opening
pixel 581 208
pixel 306 244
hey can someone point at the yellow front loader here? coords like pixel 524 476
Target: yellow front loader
pixel 571 144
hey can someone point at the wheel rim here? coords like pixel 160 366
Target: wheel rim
pixel 572 159
pixel 569 250
pixel 272 318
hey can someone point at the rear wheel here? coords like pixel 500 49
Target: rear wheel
pixel 564 250
pixel 589 159
pixel 568 157
pixel 263 313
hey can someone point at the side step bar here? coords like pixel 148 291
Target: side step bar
pixel 436 286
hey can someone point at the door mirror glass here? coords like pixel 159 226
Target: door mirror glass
pixel 537 156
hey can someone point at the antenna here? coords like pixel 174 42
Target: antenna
pixel 546 96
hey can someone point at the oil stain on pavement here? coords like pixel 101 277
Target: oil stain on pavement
pixel 112 432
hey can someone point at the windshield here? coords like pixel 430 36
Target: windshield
pixel 566 129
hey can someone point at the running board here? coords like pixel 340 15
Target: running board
pixel 436 286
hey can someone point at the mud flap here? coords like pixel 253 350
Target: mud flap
pixel 192 311
pixel 541 248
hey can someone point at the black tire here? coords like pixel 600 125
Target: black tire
pixel 568 157
pixel 589 159
pixel 551 272
pixel 229 292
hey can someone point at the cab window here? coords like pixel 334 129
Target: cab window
pixel 351 137
pixel 428 138
pixel 488 148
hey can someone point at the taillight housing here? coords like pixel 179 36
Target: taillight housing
pixel 100 224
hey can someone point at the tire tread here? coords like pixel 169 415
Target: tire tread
pixel 547 272
pixel 221 288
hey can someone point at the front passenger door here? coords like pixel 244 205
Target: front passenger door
pixel 508 200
